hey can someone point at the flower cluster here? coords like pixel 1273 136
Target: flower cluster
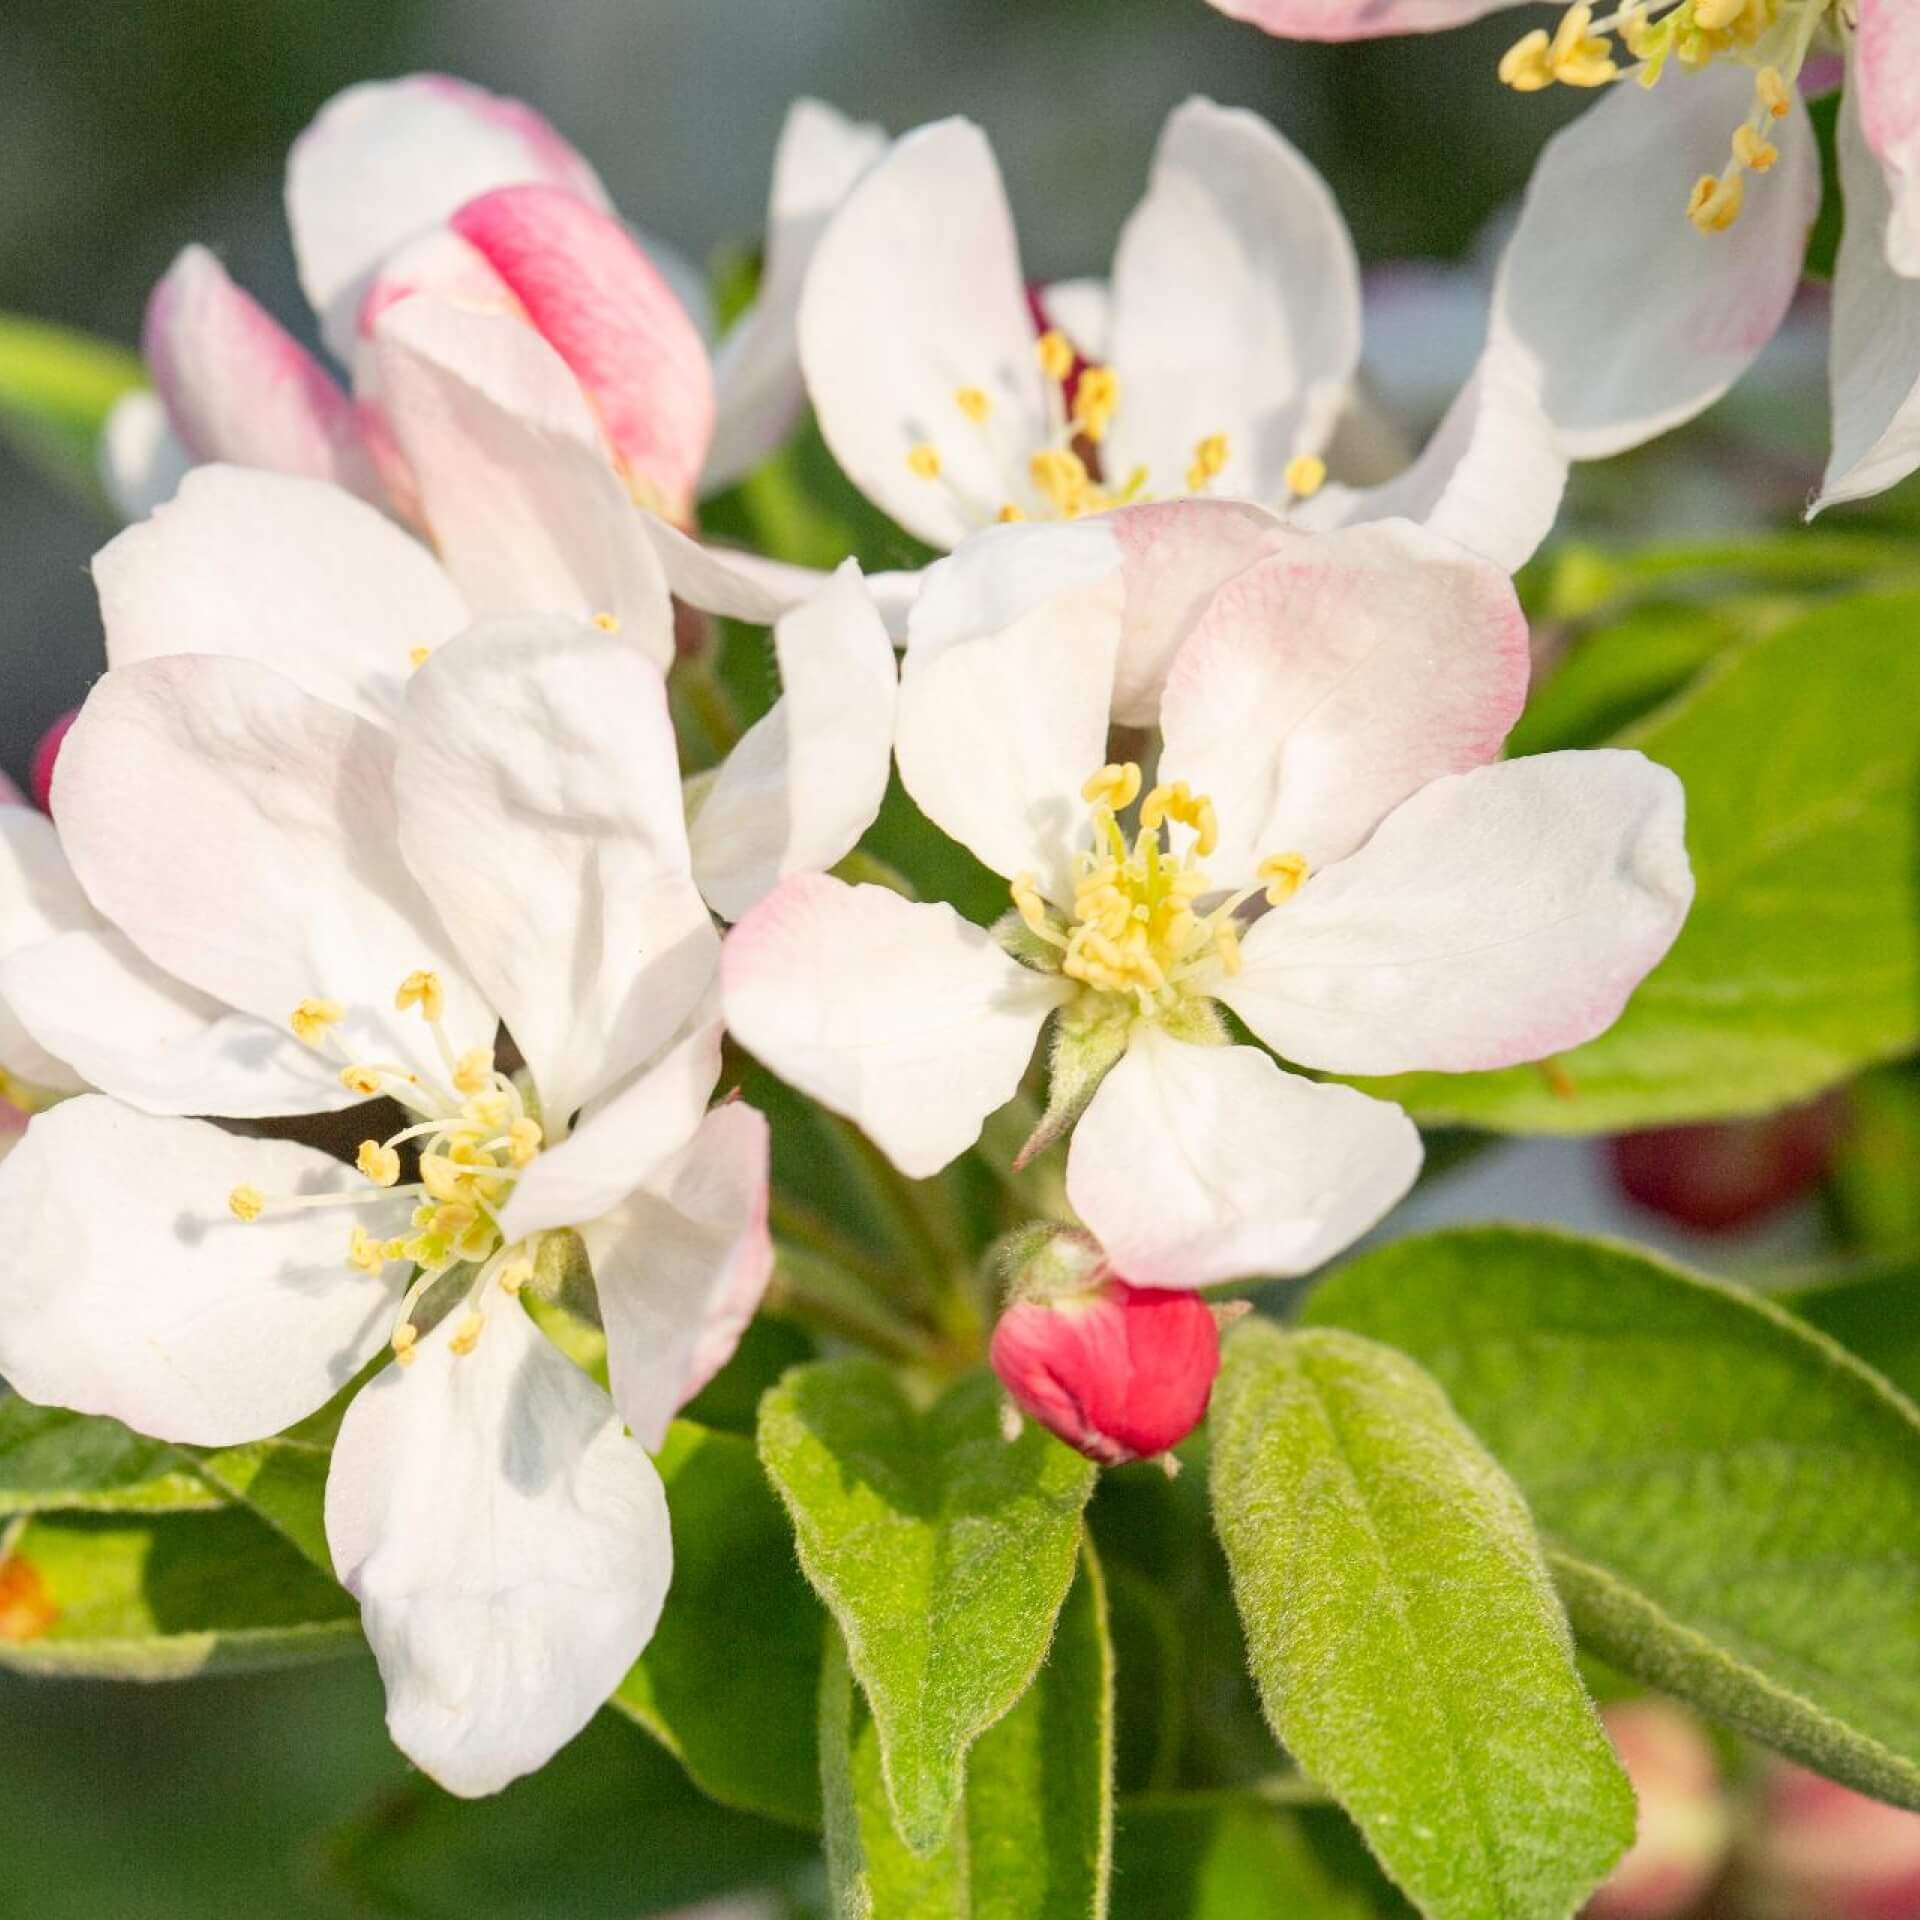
pixel 372 967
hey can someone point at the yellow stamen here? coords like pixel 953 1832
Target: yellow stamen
pixel 515 1275
pixel 1061 476
pixel 365 1252
pixel 924 461
pixel 466 1336
pixel 473 1071
pixel 973 402
pixel 421 988
pixel 1715 204
pixel 1095 401
pixel 607 622
pixel 1752 151
pixel 1525 66
pixel 1116 785
pixel 1055 353
pixel 404 1337
pixel 417 657
pixel 311 1019
pixel 380 1164
pixel 1209 458
pixel 1772 92
pixel 523 1141
pixel 1306 475
pixel 246 1203
pixel 1713 15
pixel 1284 874
pixel 361 1080
pixel 1010 513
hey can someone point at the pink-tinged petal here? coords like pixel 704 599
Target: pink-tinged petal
pixel 1636 321
pixel 524 509
pixel 613 318
pixel 1236 308
pixel 729 580
pixel 388 160
pixel 141 459
pixel 546 743
pixel 1331 679
pixel 1686 1823
pixel 244 836
pixel 898 1014
pixel 169 1313
pixel 680 1266
pixel 759 394
pixel 238 387
pixel 1820 1848
pixel 508 1544
pixel 46 756
pixel 997 734
pixel 1195 1165
pixel 290 573
pixel 1498 916
pixel 40 901
pixel 1885 83
pixel 916 293
pixel 1875 355
pixel 1358 19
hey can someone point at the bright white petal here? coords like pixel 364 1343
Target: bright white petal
pixel 1634 319
pixel 729 580
pixel 807 780
pixel 291 573
pixel 998 734
pixel 1885 84
pixel 1875 368
pixel 243 835
pixel 680 1266
pixel 141 459
pixel 620 1141
pixel 540 809
pixel 756 372
pixel 507 1542
pixel 512 479
pixel 1328 681
pixel 1497 916
pixel 388 159
pixel 915 292
pixel 39 901
pixel 129 1289
pixel 896 1013
pixel 1005 572
pixel 1083 311
pixel 1236 307
pixel 1196 1165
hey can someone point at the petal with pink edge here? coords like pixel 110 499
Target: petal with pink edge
pixel 1358 19
pixel 1885 84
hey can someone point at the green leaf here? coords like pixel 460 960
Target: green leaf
pixel 1871 1177
pixel 1799 963
pixel 943 1550
pixel 162 1597
pixel 1230 1857
pixel 730 1680
pixel 1403 1629
pixel 1033 1837
pixel 52 1461
pixel 56 390
pixel 1874 1314
pixel 1730 1503
pixel 609 1829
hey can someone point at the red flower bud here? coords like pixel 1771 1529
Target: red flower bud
pixel 45 756
pixel 1685 1825
pixel 1718 1178
pixel 1821 1849
pixel 1118 1371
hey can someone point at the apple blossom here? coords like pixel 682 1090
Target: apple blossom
pixel 512 852
pixel 1685 1826
pixel 1218 363
pixel 1326 850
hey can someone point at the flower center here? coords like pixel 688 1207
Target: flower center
pixel 1773 37
pixel 473 1136
pixel 1065 477
pixel 1135 927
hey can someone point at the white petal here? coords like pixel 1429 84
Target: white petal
pixel 1328 681
pixel 1876 338
pixel 1000 574
pixel 680 1266
pixel 39 901
pixel 513 480
pixel 1497 916
pixel 242 834
pixel 292 573
pixel 915 292
pixel 1196 1165
pixel 620 1141
pixel 1634 319
pixel 729 580
pixel 807 780
pixel 1083 311
pixel 896 1013
pixel 129 1289
pixel 540 808
pixel 508 1545
pixel 1883 84
pixel 141 459
pixel 756 372
pixel 997 734
pixel 388 159
pixel 1236 307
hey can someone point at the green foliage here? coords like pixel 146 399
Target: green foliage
pixel 1032 1839
pixel 729 1681
pixel 1874 1313
pixel 56 390
pixel 943 1550
pixel 159 1597
pixel 1872 1180
pixel 52 1461
pixel 1403 1629
pixel 1800 962
pixel 1730 1503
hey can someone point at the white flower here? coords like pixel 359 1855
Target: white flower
pixel 1218 362
pixel 1328 849
pixel 511 852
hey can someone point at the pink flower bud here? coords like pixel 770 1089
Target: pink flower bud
pixel 45 756
pixel 1119 1372
pixel 1685 1824
pixel 1824 1852
pixel 1719 1178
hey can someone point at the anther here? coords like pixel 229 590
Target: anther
pixel 924 461
pixel 466 1336
pixel 1772 92
pixel 311 1019
pixel 365 1252
pixel 1061 475
pixel 380 1164
pixel 1524 66
pixel 1209 458
pixel 1116 785
pixel 973 402
pixel 246 1203
pixel 1010 513
pixel 421 988
pixel 523 1141
pixel 607 622
pixel 1716 202
pixel 1752 151
pixel 1306 475
pixel 473 1071
pixel 1284 875
pixel 405 1335
pixel 362 1080
pixel 1055 353
pixel 515 1275
pixel 418 657
pixel 1712 15
pixel 1095 401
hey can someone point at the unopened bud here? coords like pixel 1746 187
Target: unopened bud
pixel 1823 1849
pixel 1685 1824
pixel 1118 1371
pixel 45 756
